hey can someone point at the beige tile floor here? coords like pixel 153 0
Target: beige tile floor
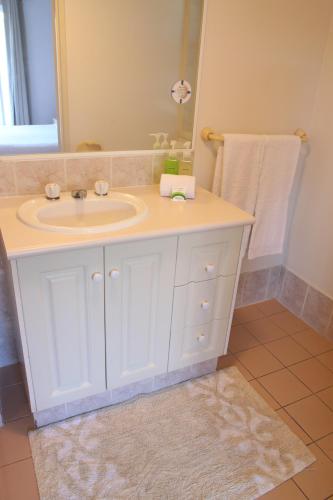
pixel 289 364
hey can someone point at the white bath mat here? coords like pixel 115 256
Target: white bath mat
pixel 210 438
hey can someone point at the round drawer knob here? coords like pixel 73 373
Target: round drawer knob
pixel 114 274
pixel 204 305
pixel 97 277
pixel 201 337
pixel 209 268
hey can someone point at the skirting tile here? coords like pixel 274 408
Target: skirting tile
pixel 317 310
pixel 131 390
pixel 293 293
pixel 50 416
pixel 88 404
pixel 124 393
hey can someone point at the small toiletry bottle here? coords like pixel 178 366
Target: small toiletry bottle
pixel 171 164
pixel 164 144
pixel 186 166
pixel 157 143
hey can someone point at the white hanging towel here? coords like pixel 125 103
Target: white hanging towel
pixel 242 159
pixel 281 153
pixel 237 172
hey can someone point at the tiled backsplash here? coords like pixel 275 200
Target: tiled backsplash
pixel 29 176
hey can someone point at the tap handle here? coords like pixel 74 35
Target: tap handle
pixel 101 188
pixel 52 191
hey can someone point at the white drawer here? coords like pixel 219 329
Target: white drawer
pixel 208 254
pixel 197 343
pixel 201 302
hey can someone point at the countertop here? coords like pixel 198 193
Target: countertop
pixel 165 217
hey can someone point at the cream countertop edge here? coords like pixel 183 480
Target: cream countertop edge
pixel 206 212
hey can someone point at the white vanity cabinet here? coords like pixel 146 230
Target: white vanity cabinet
pixel 62 302
pixel 97 319
pixel 139 285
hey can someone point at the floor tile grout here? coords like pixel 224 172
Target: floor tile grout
pixel 300 489
pixel 16 461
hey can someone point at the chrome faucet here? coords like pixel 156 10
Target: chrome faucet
pixel 79 194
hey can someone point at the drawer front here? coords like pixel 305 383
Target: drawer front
pixel 194 344
pixel 208 254
pixel 204 301
pixel 199 333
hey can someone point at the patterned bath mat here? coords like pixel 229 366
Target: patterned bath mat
pixel 210 438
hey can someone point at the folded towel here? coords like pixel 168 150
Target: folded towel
pixel 170 184
pixel 279 164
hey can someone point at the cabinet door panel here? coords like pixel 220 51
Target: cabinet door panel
pixel 139 290
pixel 63 311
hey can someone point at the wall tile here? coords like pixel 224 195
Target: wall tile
pixel 7 178
pixel 32 175
pixel 158 168
pixel 82 173
pixel 293 292
pixel 88 404
pixel 255 286
pixel 274 282
pixel 317 310
pixel 132 171
pixel 50 416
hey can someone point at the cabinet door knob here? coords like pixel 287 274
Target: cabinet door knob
pixel 209 268
pixel 97 277
pixel 204 305
pixel 114 274
pixel 201 337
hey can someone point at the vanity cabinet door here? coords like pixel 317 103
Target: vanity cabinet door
pixel 138 300
pixel 63 306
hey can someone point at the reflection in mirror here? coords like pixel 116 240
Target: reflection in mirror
pixel 28 116
pixel 118 61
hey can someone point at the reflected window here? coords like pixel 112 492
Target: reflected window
pixel 6 115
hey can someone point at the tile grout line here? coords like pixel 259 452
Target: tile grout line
pixel 317 441
pixel 299 488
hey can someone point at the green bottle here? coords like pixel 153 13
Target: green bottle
pixel 171 164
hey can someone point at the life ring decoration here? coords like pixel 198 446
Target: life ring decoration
pixel 181 91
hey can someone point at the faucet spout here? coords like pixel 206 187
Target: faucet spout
pixel 79 194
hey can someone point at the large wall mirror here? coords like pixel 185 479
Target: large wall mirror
pixel 89 75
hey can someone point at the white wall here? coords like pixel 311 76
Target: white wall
pixel 260 71
pixel 310 254
pixel 37 16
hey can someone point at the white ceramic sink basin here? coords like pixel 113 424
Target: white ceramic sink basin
pixel 94 214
